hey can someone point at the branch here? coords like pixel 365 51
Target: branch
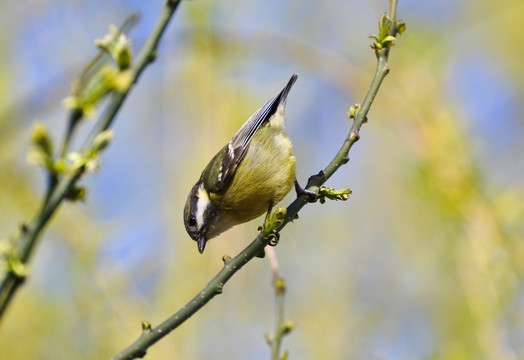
pixel 60 188
pixel 358 113
pixel 282 327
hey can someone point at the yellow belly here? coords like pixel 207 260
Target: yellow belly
pixel 266 174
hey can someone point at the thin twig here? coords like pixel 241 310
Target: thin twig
pixel 282 327
pixel 273 262
pixel 151 335
pixel 76 114
pixel 29 234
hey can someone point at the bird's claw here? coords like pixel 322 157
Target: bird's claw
pixel 274 238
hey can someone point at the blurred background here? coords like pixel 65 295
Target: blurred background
pixel 426 259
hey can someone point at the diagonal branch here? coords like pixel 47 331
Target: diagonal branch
pixel 151 335
pixel 30 233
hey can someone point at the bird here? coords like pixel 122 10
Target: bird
pixel 247 177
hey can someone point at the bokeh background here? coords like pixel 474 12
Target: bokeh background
pixel 426 259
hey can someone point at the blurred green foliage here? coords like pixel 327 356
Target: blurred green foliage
pixel 426 258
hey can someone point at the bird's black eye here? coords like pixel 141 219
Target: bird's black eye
pixel 192 221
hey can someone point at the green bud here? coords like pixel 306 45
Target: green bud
pixel 384 26
pixel 122 52
pixel 93 88
pixel 123 81
pixel 101 141
pixel 388 41
pixel 9 260
pixel 385 39
pixel 118 46
pixel 100 84
pixel 280 286
pixel 72 102
pixel 18 268
pixel 76 193
pixel 353 110
pixel 41 139
pixel 92 164
pixel 333 194
pixel 401 27
pixel 60 166
pixel 275 220
pixel 288 327
pixel 269 338
pixel 77 159
pixel 41 152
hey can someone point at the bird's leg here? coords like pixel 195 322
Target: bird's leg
pixel 268 214
pixel 313 197
pixel 266 219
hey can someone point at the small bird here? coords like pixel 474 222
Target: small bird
pixel 250 174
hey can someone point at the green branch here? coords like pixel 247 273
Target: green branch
pixel 151 335
pixel 64 187
pixel 283 327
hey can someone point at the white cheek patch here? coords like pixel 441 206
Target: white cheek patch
pixel 201 206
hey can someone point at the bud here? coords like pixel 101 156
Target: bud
pixel 101 141
pixel 41 139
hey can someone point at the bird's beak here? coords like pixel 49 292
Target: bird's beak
pixel 201 242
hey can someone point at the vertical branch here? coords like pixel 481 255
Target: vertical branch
pixel 282 327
